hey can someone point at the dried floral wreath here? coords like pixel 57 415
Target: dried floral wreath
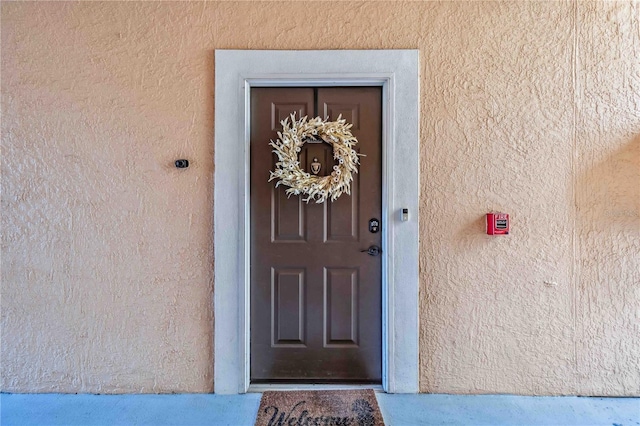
pixel 289 144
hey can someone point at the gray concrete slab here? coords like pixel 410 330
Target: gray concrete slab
pixel 398 410
pixel 138 410
pixel 494 410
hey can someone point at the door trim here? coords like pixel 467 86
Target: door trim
pixel 397 72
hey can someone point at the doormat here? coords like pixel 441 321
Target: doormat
pixel 319 408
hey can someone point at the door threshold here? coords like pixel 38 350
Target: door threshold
pixel 263 387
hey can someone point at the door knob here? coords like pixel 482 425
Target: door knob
pixel 372 250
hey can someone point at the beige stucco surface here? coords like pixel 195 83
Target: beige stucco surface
pixel 532 108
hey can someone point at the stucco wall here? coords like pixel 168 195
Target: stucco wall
pixel 527 107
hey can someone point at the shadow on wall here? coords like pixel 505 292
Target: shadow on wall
pixel 609 192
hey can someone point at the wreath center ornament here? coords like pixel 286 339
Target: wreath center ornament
pixel 289 144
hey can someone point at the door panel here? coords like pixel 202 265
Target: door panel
pixel 287 295
pixel 287 218
pixel 315 297
pixel 348 110
pixel 341 307
pixel 341 216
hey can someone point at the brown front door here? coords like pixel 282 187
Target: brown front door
pixel 316 298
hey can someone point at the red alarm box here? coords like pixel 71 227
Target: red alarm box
pixel 497 223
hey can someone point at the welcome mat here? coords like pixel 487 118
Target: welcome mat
pixel 319 408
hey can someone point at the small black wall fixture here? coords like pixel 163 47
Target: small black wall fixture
pixel 182 164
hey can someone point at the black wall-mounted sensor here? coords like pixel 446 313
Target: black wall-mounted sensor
pixel 182 164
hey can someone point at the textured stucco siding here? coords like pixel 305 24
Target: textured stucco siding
pixel 497 135
pixel 532 108
pixel 607 188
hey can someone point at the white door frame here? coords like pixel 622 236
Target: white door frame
pixel 236 72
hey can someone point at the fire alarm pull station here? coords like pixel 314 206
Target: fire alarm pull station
pixel 497 223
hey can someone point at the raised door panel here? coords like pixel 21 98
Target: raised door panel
pixel 288 320
pixel 287 213
pixel 341 307
pixel 349 111
pixel 341 217
pixel 281 110
pixel 287 217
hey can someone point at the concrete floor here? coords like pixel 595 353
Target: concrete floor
pixel 398 410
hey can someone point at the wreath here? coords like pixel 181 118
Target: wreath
pixel 289 144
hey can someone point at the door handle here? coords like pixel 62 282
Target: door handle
pixel 372 250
